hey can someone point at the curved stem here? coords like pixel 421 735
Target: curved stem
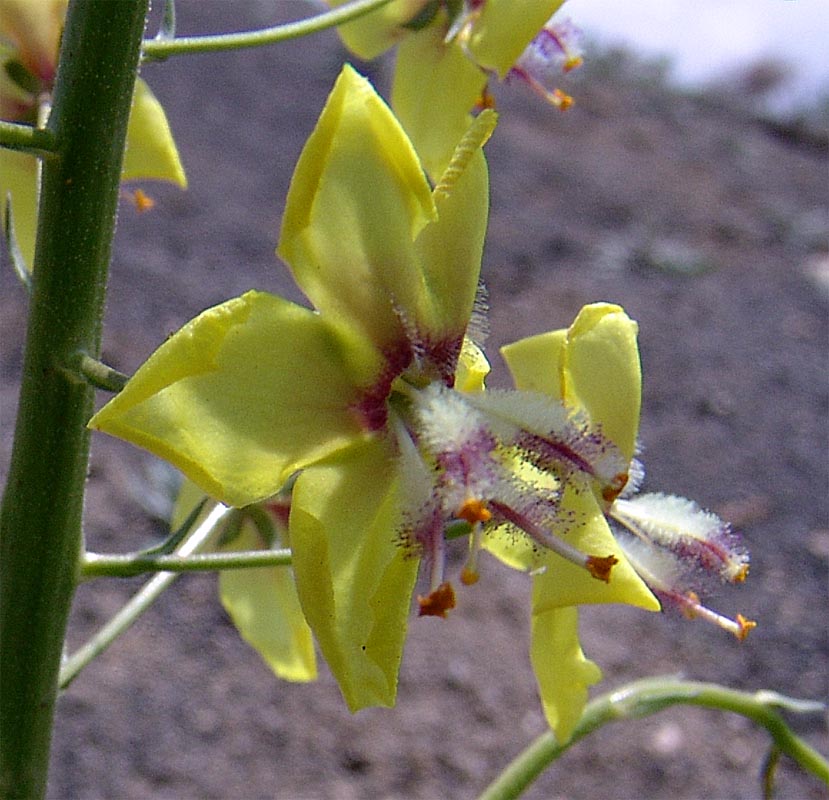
pixel 157 49
pixel 646 697
pixel 97 565
pixel 35 141
pixel 200 538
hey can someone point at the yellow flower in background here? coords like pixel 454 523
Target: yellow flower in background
pixel 262 602
pixel 30 33
pixel 449 50
pixel 374 33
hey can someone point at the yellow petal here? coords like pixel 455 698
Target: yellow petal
pixel 559 582
pixel 374 33
pixel 561 669
pixel 505 28
pixel 151 152
pixel 357 201
pixel 536 362
pixel 593 365
pixel 566 584
pixel 602 372
pixel 354 579
pixel 18 175
pixel 264 607
pixel 242 396
pixel 451 248
pixel 473 368
pixel 435 88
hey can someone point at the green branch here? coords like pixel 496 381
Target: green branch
pixel 199 539
pixel 100 375
pixel 646 697
pixel 97 565
pixel 35 141
pixel 161 48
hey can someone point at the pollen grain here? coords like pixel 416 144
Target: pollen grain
pixel 600 567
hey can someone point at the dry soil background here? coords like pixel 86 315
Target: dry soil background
pixel 708 224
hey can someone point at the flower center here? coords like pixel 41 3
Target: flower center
pixel 493 459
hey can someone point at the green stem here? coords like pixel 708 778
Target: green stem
pixel 97 565
pixel 199 539
pixel 157 49
pixel 40 519
pixel 36 141
pixel 646 697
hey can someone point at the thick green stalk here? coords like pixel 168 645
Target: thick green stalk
pixel 40 521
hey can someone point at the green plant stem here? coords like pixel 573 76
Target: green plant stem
pixel 40 519
pixel 199 539
pixel 35 141
pixel 161 48
pixel 646 697
pixel 97 565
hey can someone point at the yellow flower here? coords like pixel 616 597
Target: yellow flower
pixel 592 366
pixel 30 33
pixel 375 401
pixel 262 602
pixel 669 541
pixel 447 53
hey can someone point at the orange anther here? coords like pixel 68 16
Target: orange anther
pixel 561 100
pixel 614 488
pixel 690 611
pixel 142 201
pixel 745 626
pixel 741 575
pixel 600 567
pixel 474 510
pixel 486 100
pixel 572 62
pixel 437 602
pixel 469 577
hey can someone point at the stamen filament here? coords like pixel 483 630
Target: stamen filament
pixel 598 566
pixel 692 608
pixel 469 573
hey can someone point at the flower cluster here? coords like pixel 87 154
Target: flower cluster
pixel 374 404
pixel 29 41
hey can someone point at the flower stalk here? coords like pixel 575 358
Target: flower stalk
pixel 164 46
pixel 35 141
pixel 198 540
pixel 98 565
pixel 643 698
pixel 40 520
